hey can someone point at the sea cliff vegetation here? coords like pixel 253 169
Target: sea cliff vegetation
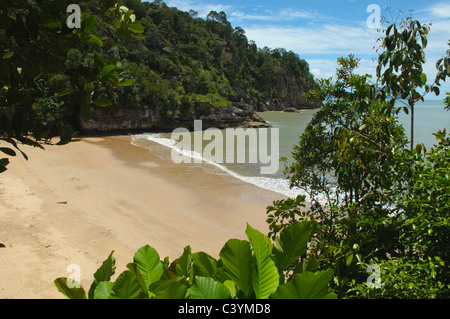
pixel 176 65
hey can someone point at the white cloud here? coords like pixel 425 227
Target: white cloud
pixel 284 15
pixel 328 39
pixel 440 10
pixel 326 68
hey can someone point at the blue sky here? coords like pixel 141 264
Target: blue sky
pixel 321 31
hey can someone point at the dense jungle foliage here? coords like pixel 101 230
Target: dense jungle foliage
pixel 187 65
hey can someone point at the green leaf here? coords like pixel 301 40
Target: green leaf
pixel 89 23
pixel 204 265
pixel 149 264
pixel 208 288
pixel 236 257
pixel 184 264
pixel 291 244
pixel 306 265
pixel 423 77
pixel 104 273
pixel 348 258
pixel 127 15
pixel 103 102
pixel 93 39
pixel 108 69
pixel 436 90
pixel 126 82
pixel 265 277
pixel 126 286
pixel 64 93
pixel 307 285
pixel 168 289
pixel 231 285
pixel 134 268
pixel 71 293
pixel 110 79
pixel 136 27
pixel 103 290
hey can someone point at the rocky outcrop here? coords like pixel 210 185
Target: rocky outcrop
pixel 120 119
pixel 112 120
pixel 291 110
pixel 289 93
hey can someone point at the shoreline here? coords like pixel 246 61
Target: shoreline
pixel 76 203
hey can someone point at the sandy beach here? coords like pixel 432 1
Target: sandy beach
pixel 75 204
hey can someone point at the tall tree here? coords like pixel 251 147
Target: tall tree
pixel 400 65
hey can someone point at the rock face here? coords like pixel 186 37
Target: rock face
pixel 291 110
pixel 114 120
pixel 288 94
pixel 120 119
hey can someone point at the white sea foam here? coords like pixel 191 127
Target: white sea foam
pixel 279 185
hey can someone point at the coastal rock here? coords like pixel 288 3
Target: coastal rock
pixel 112 120
pixel 291 110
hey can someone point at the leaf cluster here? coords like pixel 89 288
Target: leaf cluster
pixel 247 269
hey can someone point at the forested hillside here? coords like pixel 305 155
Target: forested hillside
pixel 187 67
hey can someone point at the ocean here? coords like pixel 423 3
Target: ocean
pixel 430 117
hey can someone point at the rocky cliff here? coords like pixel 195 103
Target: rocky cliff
pixel 114 120
pixel 242 113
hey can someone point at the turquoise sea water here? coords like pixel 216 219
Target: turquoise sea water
pixel 430 117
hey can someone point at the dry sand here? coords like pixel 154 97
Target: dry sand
pixel 75 204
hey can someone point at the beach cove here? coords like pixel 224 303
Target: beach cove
pixel 74 204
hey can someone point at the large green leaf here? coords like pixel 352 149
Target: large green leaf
pixel 103 290
pixel 184 263
pixel 265 277
pixel 126 286
pixel 93 39
pixel 208 288
pixel 291 244
pixel 307 285
pixel 149 264
pixel 126 82
pixel 71 293
pixel 306 265
pixel 104 273
pixel 168 289
pixel 133 267
pixel 136 27
pixel 108 69
pixel 236 257
pixel 204 265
